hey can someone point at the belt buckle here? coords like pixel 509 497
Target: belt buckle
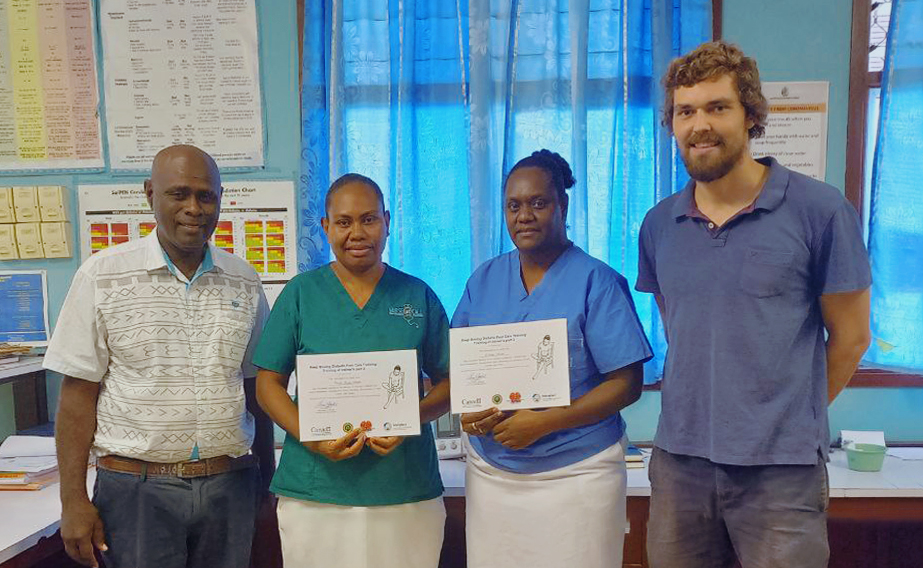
pixel 162 469
pixel 193 469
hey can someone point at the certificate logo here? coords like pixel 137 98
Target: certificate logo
pixel 348 427
pixel 366 425
pixel 515 397
pixel 536 397
pixel 317 431
pixel 469 402
pixel 496 399
pixel 386 426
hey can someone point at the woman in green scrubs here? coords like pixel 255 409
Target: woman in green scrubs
pixel 357 501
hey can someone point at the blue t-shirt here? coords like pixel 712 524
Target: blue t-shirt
pixel 603 335
pixel 745 378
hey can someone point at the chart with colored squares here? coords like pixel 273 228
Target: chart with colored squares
pixel 107 234
pixel 257 222
pixel 112 215
pixel 265 245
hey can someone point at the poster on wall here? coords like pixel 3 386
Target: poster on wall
pixel 796 128
pixel 48 94
pixel 184 72
pixel 257 223
pixel 24 311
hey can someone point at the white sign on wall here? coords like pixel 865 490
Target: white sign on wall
pixel 796 129
pixel 182 73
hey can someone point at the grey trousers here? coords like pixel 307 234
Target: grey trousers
pixel 167 522
pixel 703 514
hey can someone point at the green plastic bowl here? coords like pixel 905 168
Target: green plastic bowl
pixel 865 457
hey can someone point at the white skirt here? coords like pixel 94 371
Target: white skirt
pixel 572 516
pixel 320 535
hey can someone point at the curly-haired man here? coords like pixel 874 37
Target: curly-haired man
pixel 762 280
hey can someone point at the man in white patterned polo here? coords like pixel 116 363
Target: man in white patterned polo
pixel 154 341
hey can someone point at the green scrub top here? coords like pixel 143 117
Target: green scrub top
pixel 315 315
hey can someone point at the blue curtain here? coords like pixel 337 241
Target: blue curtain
pixel 896 210
pixel 437 99
pixel 384 95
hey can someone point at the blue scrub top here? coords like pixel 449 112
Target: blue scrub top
pixel 603 335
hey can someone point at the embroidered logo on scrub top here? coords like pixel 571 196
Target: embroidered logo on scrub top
pixel 408 312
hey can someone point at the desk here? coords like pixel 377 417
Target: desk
pixel 872 515
pixel 875 520
pixel 28 518
pixel 30 400
pixel 24 366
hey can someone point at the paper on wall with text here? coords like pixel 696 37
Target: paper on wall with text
pixel 49 99
pixel 183 72
pixel 796 128
pixel 24 309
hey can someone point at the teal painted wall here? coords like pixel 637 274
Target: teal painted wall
pixel 897 411
pixel 279 75
pixel 800 40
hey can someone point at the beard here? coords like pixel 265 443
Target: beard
pixel 710 168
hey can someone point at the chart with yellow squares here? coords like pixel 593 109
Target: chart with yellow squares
pixel 257 222
pixel 265 242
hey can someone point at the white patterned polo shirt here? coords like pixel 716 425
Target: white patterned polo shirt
pixel 170 355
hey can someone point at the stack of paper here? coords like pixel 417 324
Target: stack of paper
pixel 634 459
pixel 11 354
pixel 8 350
pixel 27 463
pixel 907 454
pixel 850 437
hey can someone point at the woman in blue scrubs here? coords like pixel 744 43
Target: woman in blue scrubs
pixel 547 487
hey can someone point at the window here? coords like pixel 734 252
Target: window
pixel 436 100
pixel 869 41
pixel 879 18
pixel 871 20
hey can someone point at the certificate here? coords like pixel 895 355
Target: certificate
pixel 339 392
pixel 510 366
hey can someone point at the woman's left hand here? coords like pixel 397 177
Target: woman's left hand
pixel 522 429
pixel 384 445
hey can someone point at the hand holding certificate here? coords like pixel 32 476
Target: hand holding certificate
pixel 510 366
pixel 341 392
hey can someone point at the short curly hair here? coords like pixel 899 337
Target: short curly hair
pixel 708 62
